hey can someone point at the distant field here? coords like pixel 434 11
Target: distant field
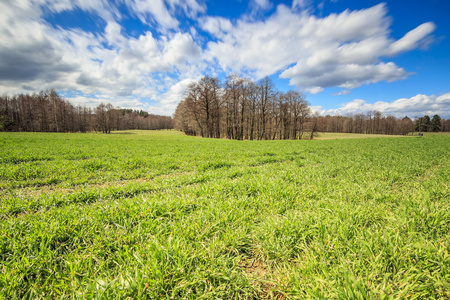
pixel 160 215
pixel 332 135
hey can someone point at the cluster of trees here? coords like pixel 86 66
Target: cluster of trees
pixel 434 124
pixel 375 122
pixel 242 109
pixel 48 112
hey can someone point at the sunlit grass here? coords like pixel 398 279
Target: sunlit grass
pixel 335 135
pixel 152 215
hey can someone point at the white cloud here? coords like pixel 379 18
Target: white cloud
pixel 263 4
pixel 412 39
pixel 155 10
pixel 104 9
pixel 36 56
pixel 342 92
pixel 190 7
pixel 113 34
pixel 172 95
pixel 344 50
pixel 348 76
pixel 340 50
pixel 302 4
pixel 418 105
pixel 315 90
pixel 217 26
pixel 164 14
pixel 87 101
pixel 181 49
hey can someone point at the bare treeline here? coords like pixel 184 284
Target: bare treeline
pixel 48 112
pixel 375 122
pixel 242 109
pixel 371 123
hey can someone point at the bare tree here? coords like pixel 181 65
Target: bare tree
pixel 203 101
pixel 266 96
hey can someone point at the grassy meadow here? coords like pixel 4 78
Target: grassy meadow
pixel 160 215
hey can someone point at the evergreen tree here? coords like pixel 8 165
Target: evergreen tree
pixel 423 124
pixel 435 123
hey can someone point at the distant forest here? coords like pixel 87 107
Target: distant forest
pixel 376 123
pixel 242 109
pixel 238 109
pixel 48 112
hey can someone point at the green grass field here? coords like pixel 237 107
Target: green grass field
pixel 160 215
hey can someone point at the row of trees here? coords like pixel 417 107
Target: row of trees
pixel 48 112
pixel 242 109
pixel 238 109
pixel 375 122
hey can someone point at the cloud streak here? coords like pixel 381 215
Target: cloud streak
pixel 416 106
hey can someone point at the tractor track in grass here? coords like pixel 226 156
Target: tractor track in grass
pixel 46 189
pixel 50 196
pixel 24 201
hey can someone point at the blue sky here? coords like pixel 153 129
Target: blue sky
pixel 345 56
